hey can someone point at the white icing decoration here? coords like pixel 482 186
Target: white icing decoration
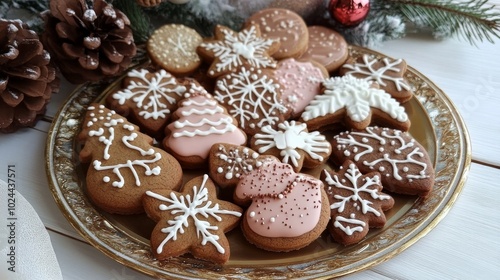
pixel 413 154
pixel 378 75
pixel 106 136
pixel 151 95
pixel 245 44
pixel 248 95
pixel 370 186
pixel 221 125
pixel 290 137
pixel 237 162
pixel 187 210
pixel 356 96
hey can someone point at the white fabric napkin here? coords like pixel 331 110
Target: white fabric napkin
pixel 31 256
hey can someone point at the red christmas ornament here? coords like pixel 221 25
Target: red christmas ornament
pixel 349 12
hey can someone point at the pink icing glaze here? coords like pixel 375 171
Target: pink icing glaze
pixel 301 83
pixel 284 204
pixel 202 122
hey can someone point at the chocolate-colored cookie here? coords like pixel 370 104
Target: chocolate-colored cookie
pixel 356 203
pixel 403 163
pixel 327 47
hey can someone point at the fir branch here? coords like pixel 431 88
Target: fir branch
pixel 34 6
pixel 139 20
pixel 473 20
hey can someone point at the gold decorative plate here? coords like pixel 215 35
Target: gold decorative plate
pixel 436 124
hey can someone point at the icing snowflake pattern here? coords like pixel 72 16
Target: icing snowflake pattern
pixel 107 137
pixel 379 75
pixel 251 98
pixel 185 207
pixel 290 137
pixel 356 96
pixel 236 49
pixel 237 163
pixel 151 95
pixel 369 186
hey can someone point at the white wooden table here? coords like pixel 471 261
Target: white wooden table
pixel 464 245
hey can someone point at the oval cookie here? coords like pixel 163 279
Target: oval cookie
pixel 327 47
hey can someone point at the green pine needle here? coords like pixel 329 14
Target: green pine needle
pixel 473 20
pixel 139 20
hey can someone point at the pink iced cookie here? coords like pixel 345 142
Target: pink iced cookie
pixel 301 81
pixel 287 210
pixel 200 123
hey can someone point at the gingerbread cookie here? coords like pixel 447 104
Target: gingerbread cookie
pixel 253 97
pixel 292 143
pixel 173 47
pixel 148 99
pixel 230 50
pixel 199 123
pixel 403 163
pixel 123 162
pixel 228 163
pixel 301 81
pixel 193 221
pixel 356 203
pixel 327 47
pixel 287 210
pixel 284 26
pixel 387 72
pixel 356 103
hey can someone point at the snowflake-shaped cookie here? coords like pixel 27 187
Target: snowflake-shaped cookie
pixel 388 73
pixel 355 102
pixel 228 163
pixel 404 163
pixel 193 221
pixel 253 97
pixel 356 203
pixel 148 97
pixel 230 50
pixel 292 143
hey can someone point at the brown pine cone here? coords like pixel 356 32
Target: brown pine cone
pixel 27 80
pixel 89 40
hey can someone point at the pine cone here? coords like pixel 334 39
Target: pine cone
pixel 27 80
pixel 89 40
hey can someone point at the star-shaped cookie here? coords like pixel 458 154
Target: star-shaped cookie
pixel 230 50
pixel 356 103
pixel 193 221
pixel 356 203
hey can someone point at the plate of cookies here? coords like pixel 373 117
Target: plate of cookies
pixel 274 151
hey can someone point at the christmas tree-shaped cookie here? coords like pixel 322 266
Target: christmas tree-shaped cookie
pixel 199 123
pixel 122 162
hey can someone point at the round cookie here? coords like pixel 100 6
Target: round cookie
pixel 356 103
pixel 292 143
pixel 287 210
pixel 301 81
pixel 199 123
pixel 356 202
pixel 285 26
pixel 403 163
pixel 228 163
pixel 387 72
pixel 192 221
pixel 327 47
pixel 173 47
pixel 123 162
